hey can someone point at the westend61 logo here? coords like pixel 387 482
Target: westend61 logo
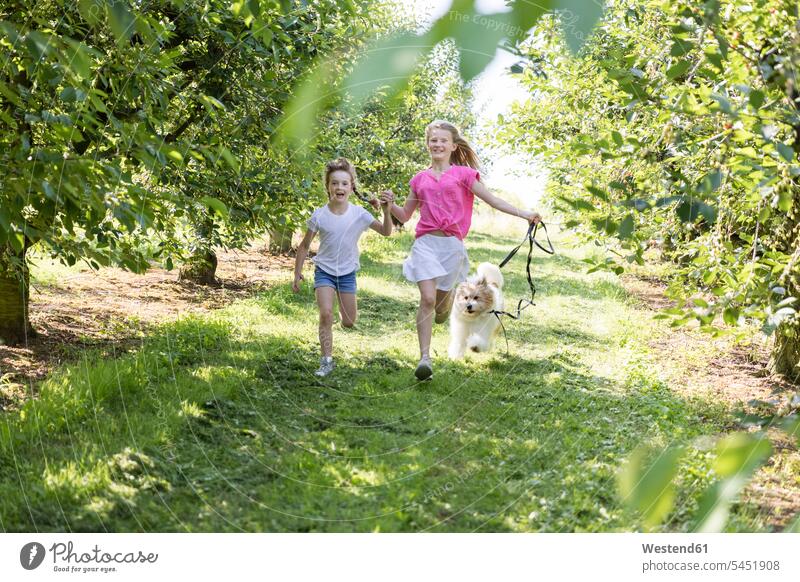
pixel 66 559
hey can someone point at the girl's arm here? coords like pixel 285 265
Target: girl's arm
pixel 404 214
pixel 481 191
pixel 302 253
pixel 384 228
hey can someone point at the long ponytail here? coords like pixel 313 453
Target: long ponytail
pixel 463 155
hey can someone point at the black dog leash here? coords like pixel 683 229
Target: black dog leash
pixel 523 304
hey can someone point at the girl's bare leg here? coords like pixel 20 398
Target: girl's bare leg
pixel 444 302
pixel 348 309
pixel 325 302
pixel 425 314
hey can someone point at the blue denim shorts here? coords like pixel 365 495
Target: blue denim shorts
pixel 342 283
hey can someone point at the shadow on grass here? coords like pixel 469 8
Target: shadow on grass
pixel 204 431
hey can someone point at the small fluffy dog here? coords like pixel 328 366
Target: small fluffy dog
pixel 473 326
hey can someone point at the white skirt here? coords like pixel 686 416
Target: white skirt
pixel 442 258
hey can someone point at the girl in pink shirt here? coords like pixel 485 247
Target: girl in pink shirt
pixel 444 194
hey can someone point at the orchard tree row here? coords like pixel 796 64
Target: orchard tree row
pixel 678 126
pixel 136 133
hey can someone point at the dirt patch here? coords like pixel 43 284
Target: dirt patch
pixel 699 365
pixel 113 309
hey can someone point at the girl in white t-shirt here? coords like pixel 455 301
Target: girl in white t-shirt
pixel 339 224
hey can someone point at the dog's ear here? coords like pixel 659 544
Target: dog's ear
pixel 482 282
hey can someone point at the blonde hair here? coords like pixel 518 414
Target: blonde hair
pixel 463 155
pixel 339 165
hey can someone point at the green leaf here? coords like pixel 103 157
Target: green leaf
pixel 607 225
pixel 791 426
pixel 254 7
pixel 297 127
pixel 91 11
pixel 711 181
pixel 387 63
pixel 680 47
pixel 10 32
pixel 578 18
pixel 267 36
pixel 10 94
pixel 678 69
pixel 731 316
pixel 229 158
pixel 738 456
pixel 756 98
pixel 689 210
pixel 477 41
pixel 211 103
pixel 175 155
pixel 598 192
pixel 785 200
pixel 5 219
pixel 635 88
pixel 724 104
pixel 16 240
pixel 39 44
pixel 626 227
pixel 645 483
pixel 716 60
pixel 578 203
pixel 215 204
pixel 785 151
pixel 793 527
pixel 526 13
pixel 121 20
pixel 78 60
pixel 723 45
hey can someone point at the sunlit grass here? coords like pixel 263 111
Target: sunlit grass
pixel 217 423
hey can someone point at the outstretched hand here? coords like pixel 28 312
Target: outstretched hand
pixel 296 283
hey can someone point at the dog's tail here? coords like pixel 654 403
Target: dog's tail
pixel 491 273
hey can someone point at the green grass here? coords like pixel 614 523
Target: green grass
pixel 217 423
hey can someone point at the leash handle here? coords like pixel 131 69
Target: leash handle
pixel 523 304
pixel 551 250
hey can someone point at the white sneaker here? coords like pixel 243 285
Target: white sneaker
pixel 326 366
pixel 424 369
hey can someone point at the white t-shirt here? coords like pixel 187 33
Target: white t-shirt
pixel 338 238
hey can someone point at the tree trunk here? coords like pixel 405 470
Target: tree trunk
pixel 201 268
pixel 785 357
pixel 280 239
pixel 15 327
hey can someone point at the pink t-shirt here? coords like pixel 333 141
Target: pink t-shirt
pixel 445 204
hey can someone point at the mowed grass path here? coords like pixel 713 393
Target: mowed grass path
pixel 217 423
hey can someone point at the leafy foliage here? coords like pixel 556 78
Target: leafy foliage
pixel 678 128
pixel 123 120
pixel 390 61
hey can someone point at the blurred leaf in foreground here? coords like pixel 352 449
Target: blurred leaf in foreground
pixel 738 457
pixel 645 482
